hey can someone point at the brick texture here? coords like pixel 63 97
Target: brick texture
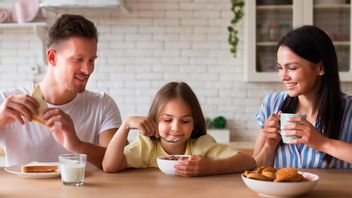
pixel 156 41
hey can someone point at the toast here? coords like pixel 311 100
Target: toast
pixel 39 97
pixel 38 168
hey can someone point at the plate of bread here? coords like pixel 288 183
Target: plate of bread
pixel 35 170
pixel 281 182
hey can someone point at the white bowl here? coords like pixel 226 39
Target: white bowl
pixel 168 166
pixel 282 189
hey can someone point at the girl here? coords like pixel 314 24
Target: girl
pixel 176 116
pixel 307 64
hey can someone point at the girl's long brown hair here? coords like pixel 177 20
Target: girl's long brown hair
pixel 181 90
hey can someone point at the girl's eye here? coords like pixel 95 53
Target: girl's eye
pixel 292 68
pixel 167 120
pixel 185 121
pixel 279 68
pixel 78 60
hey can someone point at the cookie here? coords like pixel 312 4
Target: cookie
pixel 286 175
pixel 257 176
pixel 270 175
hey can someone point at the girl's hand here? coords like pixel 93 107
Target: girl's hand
pixel 271 130
pixel 309 134
pixel 193 166
pixel 146 126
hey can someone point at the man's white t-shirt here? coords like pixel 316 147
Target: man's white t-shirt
pixel 92 113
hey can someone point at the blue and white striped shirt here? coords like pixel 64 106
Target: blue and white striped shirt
pixel 301 155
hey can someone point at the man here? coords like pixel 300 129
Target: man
pixel 77 120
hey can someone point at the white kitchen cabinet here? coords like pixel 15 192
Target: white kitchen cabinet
pixel 267 20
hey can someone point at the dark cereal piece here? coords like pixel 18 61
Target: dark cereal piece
pixel 172 157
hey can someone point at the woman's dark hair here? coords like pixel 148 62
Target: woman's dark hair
pixel 313 44
pixel 68 26
pixel 181 90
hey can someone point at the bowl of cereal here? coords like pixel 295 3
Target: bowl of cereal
pixel 167 163
pixel 284 182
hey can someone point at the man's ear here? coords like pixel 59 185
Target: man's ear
pixel 320 68
pixel 51 56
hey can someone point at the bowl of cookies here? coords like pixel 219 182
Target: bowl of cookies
pixel 283 182
pixel 167 163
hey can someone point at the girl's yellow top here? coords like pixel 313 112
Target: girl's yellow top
pixel 142 152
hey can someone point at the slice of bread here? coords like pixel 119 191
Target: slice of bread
pixel 39 97
pixel 38 168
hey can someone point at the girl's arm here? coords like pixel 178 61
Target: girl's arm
pixel 200 166
pixel 114 158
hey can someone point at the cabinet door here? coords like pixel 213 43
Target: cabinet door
pixel 266 22
pixel 334 17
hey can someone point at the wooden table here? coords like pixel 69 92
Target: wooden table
pixel 152 183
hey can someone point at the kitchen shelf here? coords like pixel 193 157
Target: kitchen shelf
pixel 338 6
pixel 274 7
pixel 23 25
pixel 81 4
pixel 266 43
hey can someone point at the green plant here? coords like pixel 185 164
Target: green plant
pixel 237 9
pixel 218 122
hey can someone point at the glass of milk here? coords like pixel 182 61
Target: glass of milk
pixel 72 168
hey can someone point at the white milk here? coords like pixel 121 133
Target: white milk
pixel 72 173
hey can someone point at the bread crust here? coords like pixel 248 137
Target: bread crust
pixel 39 97
pixel 38 169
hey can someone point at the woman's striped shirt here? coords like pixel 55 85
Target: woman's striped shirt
pixel 301 155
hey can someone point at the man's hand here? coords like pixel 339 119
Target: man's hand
pixel 16 106
pixel 62 128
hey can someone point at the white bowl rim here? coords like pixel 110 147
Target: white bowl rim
pixel 160 156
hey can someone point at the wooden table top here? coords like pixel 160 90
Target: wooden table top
pixel 153 183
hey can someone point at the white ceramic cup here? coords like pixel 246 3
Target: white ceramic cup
pixel 284 122
pixel 72 168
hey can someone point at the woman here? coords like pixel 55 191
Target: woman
pixel 307 63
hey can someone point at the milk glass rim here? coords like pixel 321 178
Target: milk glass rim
pixel 73 155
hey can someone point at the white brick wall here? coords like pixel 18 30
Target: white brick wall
pixel 155 42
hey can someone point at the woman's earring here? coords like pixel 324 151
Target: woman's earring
pixel 321 73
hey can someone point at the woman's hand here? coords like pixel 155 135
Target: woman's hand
pixel 309 134
pixel 270 131
pixel 146 126
pixel 193 166
pixel 267 141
